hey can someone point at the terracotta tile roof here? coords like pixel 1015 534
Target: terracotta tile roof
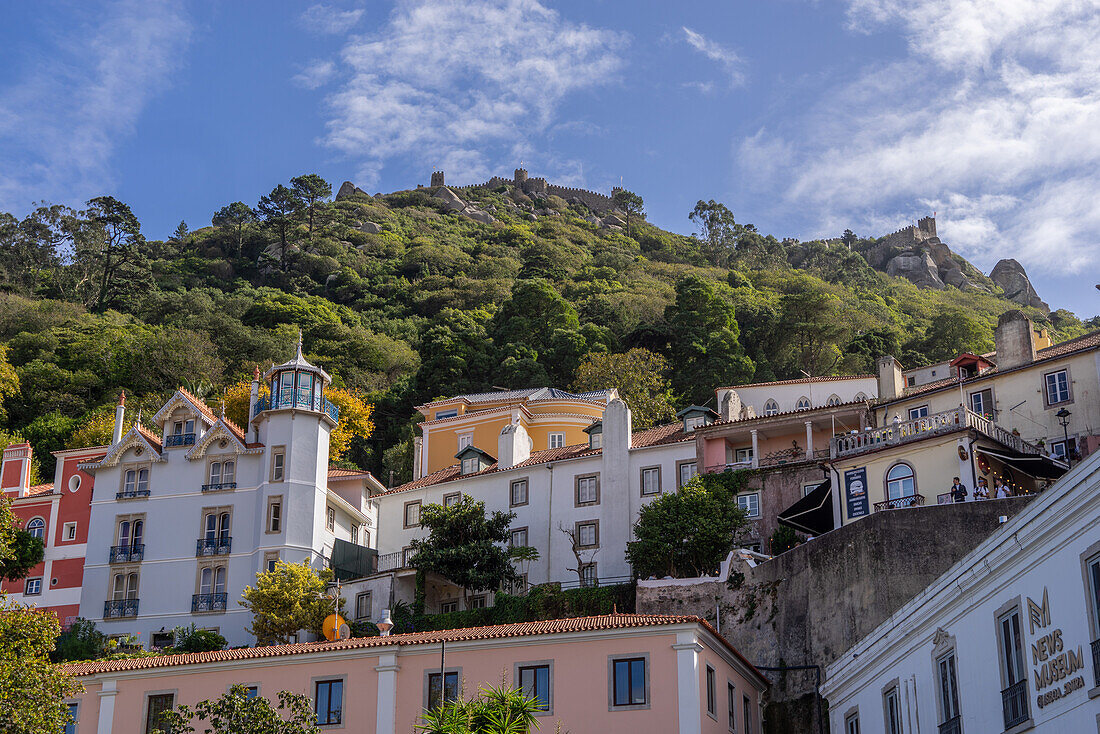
pixel 335 472
pixel 530 393
pixel 236 430
pixel 39 489
pixel 800 380
pixel 202 406
pixel 151 437
pixel 1085 341
pixel 499 631
pixel 660 435
pixel 784 414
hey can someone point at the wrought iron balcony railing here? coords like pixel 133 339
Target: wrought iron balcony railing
pixel 296 399
pixel 213 546
pixel 1096 660
pixel 131 494
pixel 201 603
pixel 127 553
pixel 952 726
pixel 120 608
pixel 179 439
pixel 218 486
pixel 912 500
pixel 1014 701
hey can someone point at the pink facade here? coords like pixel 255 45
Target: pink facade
pixel 384 681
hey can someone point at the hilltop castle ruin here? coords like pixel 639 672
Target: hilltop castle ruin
pixel 539 187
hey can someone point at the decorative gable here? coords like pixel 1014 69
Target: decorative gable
pixel 182 398
pixel 135 439
pixel 220 433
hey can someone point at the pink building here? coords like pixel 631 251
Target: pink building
pixel 617 673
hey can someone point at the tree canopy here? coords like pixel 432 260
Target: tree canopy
pixel 289 598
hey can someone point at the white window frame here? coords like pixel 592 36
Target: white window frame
pixel 555 440
pixel 918 412
pixel 751 504
pixel 771 407
pixel 1064 391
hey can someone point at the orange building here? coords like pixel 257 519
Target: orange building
pixel 552 418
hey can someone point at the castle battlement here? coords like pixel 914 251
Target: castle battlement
pixel 521 181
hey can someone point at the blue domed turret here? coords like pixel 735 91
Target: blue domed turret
pixel 298 384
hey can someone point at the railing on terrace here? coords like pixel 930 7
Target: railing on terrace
pixel 1096 660
pixel 391 561
pixel 592 583
pixel 772 459
pixel 131 494
pixel 929 425
pixel 179 439
pixel 119 608
pixel 952 726
pixel 201 603
pixel 912 500
pixel 126 553
pixel 298 399
pixel 213 546
pixel 218 486
pixel 1014 702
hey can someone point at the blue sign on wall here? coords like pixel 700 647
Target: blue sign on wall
pixel 855 490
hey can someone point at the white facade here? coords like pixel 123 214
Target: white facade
pixel 1039 574
pixel 784 396
pixel 203 537
pixel 557 492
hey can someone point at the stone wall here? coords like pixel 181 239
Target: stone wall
pixel 810 604
pixel 779 489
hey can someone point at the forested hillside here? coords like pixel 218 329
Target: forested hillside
pixel 403 300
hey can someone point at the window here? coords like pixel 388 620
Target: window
pixel 464 440
pixel 448 606
pixel 452 413
pixel 251 692
pixel 686 471
pixel 629 682
pixel 981 402
pixel 690 424
pixel 216 526
pixel 270 559
pixel 556 440
pixel 1061 449
pixel 589 577
pixel 750 503
pixel 125 586
pixel 1013 672
pixel 900 482
pixel 911 380
pixel 921 411
pixel 518 492
pixel 747 702
pixel 851 724
pixel 833 400
pixel 731 706
pixel 155 707
pixel 949 687
pixel 33 587
pixel 771 407
pixel 891 711
pixel 68 531
pixel 588 490
pixel 329 702
pixel 354 534
pixel 1057 387
pixel 363 605
pixel 1093 572
pixel 803 403
pixel 712 702
pixel 651 480
pixel 278 464
pixel 476 602
pixel 142 481
pixel 861 397
pixel 452 498
pixel 588 534
pixel 366 538
pixel 36 528
pixel 275 514
pixel 519 538
pixel 595 441
pixel 330 519
pixel 442 688
pixel 534 681
pixel 70 728
pixel 470 465
pixel 412 514
pixel 742 456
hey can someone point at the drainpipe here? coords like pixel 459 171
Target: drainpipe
pixel 973 471
pixel 817 686
pixel 549 525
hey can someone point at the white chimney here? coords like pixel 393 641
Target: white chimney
pixel 418 455
pixel 120 416
pixel 513 446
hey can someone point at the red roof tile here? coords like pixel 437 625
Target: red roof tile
pixel 800 380
pixel 39 489
pixel 151 437
pixel 499 631
pixel 203 407
pixel 335 472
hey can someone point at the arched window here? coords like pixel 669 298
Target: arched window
pixel 143 480
pixel 900 482
pixel 206 581
pixel 771 407
pixel 223 527
pixel 37 528
pixel 861 397
pixel 139 532
pixel 124 533
pixel 803 403
pixel 834 399
pixel 211 526
pixel 219 580
pixel 131 477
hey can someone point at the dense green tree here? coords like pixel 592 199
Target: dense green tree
pixel 80 641
pixel 110 250
pixel 193 639
pixel 25 552
pixel 181 232
pixel 719 231
pixel 289 598
pixel 277 211
pixel 639 375
pixel 312 191
pixel 952 331
pixel 235 217
pixel 630 204
pixel 235 712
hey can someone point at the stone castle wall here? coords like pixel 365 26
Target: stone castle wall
pixel 597 202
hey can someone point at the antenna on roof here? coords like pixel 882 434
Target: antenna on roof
pixel 808 375
pixel 498 387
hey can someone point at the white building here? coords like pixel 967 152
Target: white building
pixel 183 519
pixel 785 396
pixel 1008 639
pixel 593 491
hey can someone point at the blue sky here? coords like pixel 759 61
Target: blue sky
pixel 803 116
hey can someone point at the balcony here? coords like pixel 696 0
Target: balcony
pixel 205 603
pixel 930 425
pixel 179 439
pixel 913 500
pixel 219 486
pixel 298 399
pixel 126 553
pixel 952 726
pixel 772 459
pixel 1014 701
pixel 1096 660
pixel 391 562
pixel 213 546
pixel 132 494
pixel 120 608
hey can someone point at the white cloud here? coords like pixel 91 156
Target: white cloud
pixel 315 74
pixel 991 117
pixel 727 58
pixel 463 86
pixel 60 125
pixel 326 19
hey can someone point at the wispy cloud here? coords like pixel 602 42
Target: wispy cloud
pixel 315 74
pixel 463 86
pixel 327 19
pixel 60 125
pixel 991 117
pixel 727 58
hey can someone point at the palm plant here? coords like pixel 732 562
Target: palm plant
pixel 495 710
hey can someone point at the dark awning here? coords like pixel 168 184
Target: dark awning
pixel 351 561
pixel 1034 465
pixel 813 514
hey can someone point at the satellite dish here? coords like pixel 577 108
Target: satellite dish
pixel 344 631
pixel 331 627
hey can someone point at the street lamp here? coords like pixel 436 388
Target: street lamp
pixel 1063 418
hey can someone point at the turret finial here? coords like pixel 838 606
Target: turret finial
pixel 299 343
pixel 122 398
pixel 256 374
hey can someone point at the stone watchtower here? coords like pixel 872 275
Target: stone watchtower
pixel 520 177
pixel 437 178
pixel 927 225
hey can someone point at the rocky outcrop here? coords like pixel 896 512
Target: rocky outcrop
pixel 916 267
pixel 348 189
pixel 917 254
pixel 1009 276
pixel 370 228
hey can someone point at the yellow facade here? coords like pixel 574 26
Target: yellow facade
pixel 453 423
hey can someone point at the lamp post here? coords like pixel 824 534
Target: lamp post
pixel 1063 418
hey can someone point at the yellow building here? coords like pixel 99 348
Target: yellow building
pixel 552 418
